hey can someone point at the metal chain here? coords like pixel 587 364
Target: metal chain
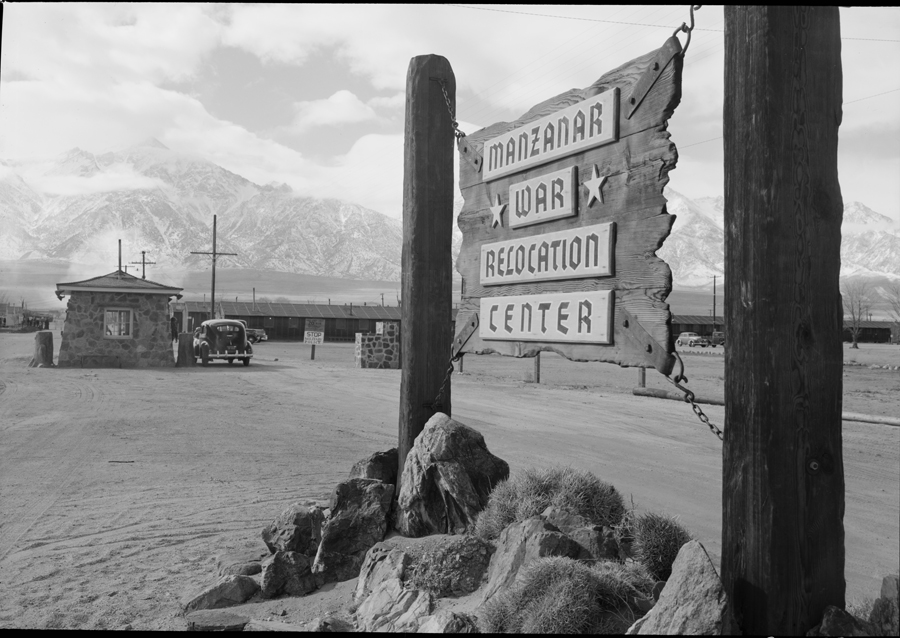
pixel 687 29
pixel 458 133
pixel 437 404
pixel 689 398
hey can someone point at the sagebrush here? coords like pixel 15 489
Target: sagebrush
pixel 531 491
pixel 562 596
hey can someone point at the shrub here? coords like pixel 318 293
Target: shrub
pixel 454 568
pixel 530 492
pixel 560 595
pixel 654 541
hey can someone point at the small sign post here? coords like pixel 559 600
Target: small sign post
pixel 314 334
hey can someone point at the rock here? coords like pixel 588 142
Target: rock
pixel 287 573
pixel 885 615
pixel 329 624
pixel 359 519
pixel 382 561
pixel 228 591
pixel 448 622
pixel 272 625
pixel 597 542
pixel 215 620
pixel 520 544
pixel 837 622
pixel 693 600
pixel 297 529
pixel 390 607
pixel 381 466
pixel 454 567
pixel 246 563
pixel 447 479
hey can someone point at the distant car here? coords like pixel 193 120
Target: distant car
pixel 717 339
pixel 692 339
pixel 255 335
pixel 222 339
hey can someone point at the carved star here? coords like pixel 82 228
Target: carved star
pixel 496 211
pixel 595 186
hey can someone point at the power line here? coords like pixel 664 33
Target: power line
pixel 871 96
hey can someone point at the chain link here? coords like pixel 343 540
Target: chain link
pixel 687 29
pixel 458 133
pixel 436 405
pixel 689 398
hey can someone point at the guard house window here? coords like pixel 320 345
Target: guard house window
pixel 117 323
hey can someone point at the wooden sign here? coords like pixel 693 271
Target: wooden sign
pixel 314 332
pixel 562 219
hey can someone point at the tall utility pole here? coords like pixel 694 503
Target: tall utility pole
pixel 782 466
pixel 715 327
pixel 144 263
pixel 215 255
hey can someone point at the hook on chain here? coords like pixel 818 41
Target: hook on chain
pixel 689 396
pixel 687 29
pixel 456 131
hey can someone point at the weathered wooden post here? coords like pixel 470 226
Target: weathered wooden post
pixel 537 368
pixel 428 184
pixel 783 474
pixel 185 350
pixel 43 350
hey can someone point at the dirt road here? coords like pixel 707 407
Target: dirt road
pixel 119 487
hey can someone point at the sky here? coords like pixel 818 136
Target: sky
pixel 313 95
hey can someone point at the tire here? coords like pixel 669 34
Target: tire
pixel 230 360
pixel 204 354
pixel 679 342
pixel 246 361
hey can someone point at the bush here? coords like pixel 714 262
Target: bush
pixel 654 541
pixel 560 595
pixel 454 568
pixel 530 492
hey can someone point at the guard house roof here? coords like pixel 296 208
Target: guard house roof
pixel 117 281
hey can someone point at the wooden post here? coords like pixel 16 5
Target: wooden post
pixel 642 377
pixel 185 350
pixel 783 474
pixel 43 350
pixel 537 368
pixel 312 352
pixel 428 187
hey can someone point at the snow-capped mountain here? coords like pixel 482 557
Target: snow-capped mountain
pixel 77 205
pixel 870 244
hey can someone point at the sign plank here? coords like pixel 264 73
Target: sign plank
pixel 618 184
pixel 314 332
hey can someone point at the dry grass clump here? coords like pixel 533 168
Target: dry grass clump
pixel 530 492
pixel 653 540
pixel 562 596
pixel 453 569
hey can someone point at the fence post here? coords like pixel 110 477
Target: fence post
pixel 185 350
pixel 537 368
pixel 783 474
pixel 428 186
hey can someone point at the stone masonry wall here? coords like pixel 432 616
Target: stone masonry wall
pixel 84 342
pixel 379 351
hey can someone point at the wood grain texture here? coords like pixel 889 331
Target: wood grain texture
pixel 427 237
pixel 783 479
pixel 637 166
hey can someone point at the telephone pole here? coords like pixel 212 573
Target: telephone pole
pixel 143 262
pixel 215 255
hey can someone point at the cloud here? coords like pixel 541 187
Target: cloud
pixel 341 108
pixel 114 178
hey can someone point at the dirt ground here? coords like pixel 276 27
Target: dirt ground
pixel 118 488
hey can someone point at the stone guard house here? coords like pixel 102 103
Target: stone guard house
pixel 116 320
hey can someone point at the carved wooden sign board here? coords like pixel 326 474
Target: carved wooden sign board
pixel 563 216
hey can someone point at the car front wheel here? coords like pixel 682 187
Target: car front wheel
pixel 246 361
pixel 204 354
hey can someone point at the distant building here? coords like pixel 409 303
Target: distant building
pixel 116 320
pixel 870 331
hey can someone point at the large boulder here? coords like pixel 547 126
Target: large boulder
pixel 287 573
pixel 241 563
pixel 381 466
pixel 382 562
pixel 215 620
pixel 448 476
pixel 454 567
pixel 228 591
pixel 448 622
pixel 693 600
pixel 359 519
pixel 391 607
pixel 837 622
pixel 519 545
pixel 297 529
pixel 885 615
pixel 597 542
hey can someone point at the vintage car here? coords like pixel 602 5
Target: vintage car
pixel 717 339
pixel 222 339
pixel 256 335
pixel 692 339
